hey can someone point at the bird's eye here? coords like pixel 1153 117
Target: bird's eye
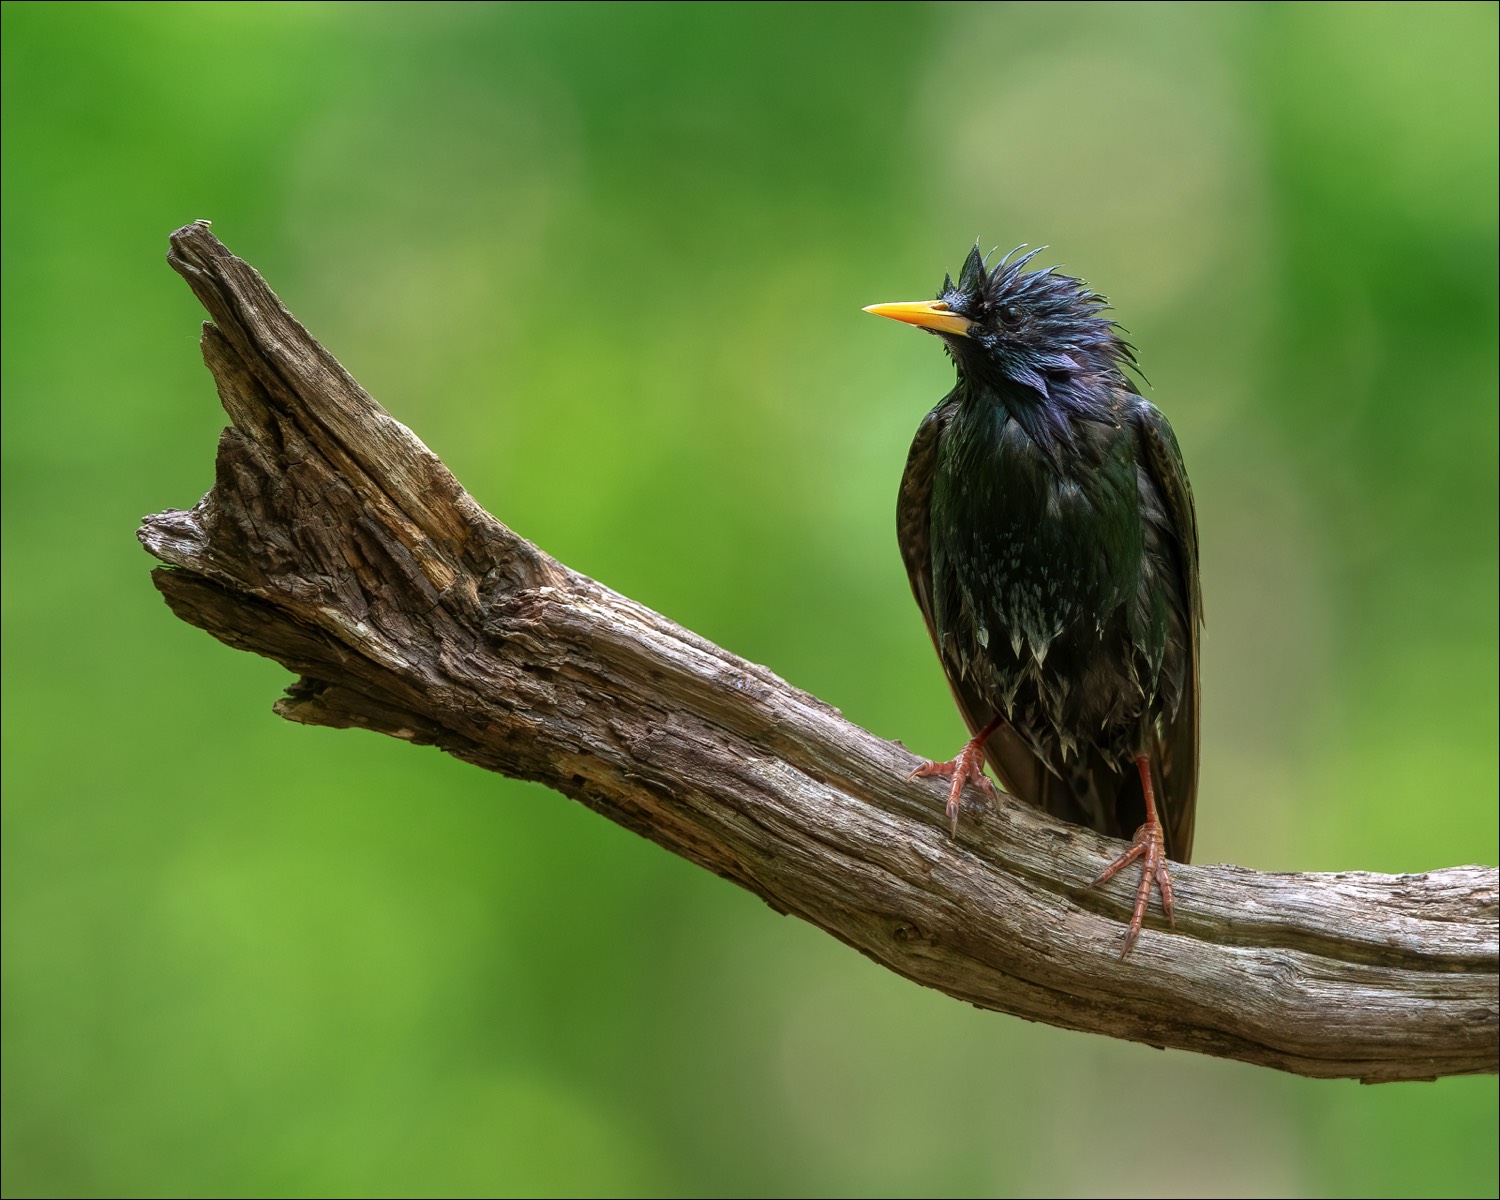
pixel 1010 315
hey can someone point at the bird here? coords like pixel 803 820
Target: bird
pixel 1048 529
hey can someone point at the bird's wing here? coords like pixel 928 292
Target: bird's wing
pixel 1177 752
pixel 1020 771
pixel 914 507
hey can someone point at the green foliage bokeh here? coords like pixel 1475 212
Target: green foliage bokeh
pixel 608 262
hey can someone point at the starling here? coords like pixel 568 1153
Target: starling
pixel 1047 526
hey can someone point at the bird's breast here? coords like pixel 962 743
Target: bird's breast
pixel 1037 562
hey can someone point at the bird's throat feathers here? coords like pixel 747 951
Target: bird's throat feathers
pixel 1049 408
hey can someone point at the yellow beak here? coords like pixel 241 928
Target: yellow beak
pixel 925 314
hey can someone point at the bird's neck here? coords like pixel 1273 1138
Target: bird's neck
pixel 1049 410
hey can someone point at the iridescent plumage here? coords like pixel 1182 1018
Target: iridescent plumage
pixel 1047 526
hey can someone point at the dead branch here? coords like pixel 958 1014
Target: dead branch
pixel 337 544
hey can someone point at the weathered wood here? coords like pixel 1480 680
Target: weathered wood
pixel 335 543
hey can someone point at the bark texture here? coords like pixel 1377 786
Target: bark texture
pixel 337 544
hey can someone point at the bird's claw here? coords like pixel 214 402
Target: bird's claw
pixel 968 767
pixel 1150 847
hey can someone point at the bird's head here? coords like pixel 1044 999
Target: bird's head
pixel 1040 330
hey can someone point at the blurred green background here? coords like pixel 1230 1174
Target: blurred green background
pixel 608 262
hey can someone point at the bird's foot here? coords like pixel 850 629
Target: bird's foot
pixel 1150 847
pixel 968 767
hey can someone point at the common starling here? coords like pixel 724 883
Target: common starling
pixel 1047 526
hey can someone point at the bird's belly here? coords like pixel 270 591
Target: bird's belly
pixel 1026 641
pixel 1036 583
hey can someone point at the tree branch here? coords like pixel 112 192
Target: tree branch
pixel 336 543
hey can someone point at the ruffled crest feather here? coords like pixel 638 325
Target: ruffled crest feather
pixel 1065 326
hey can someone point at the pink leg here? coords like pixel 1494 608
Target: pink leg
pixel 1150 846
pixel 967 767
